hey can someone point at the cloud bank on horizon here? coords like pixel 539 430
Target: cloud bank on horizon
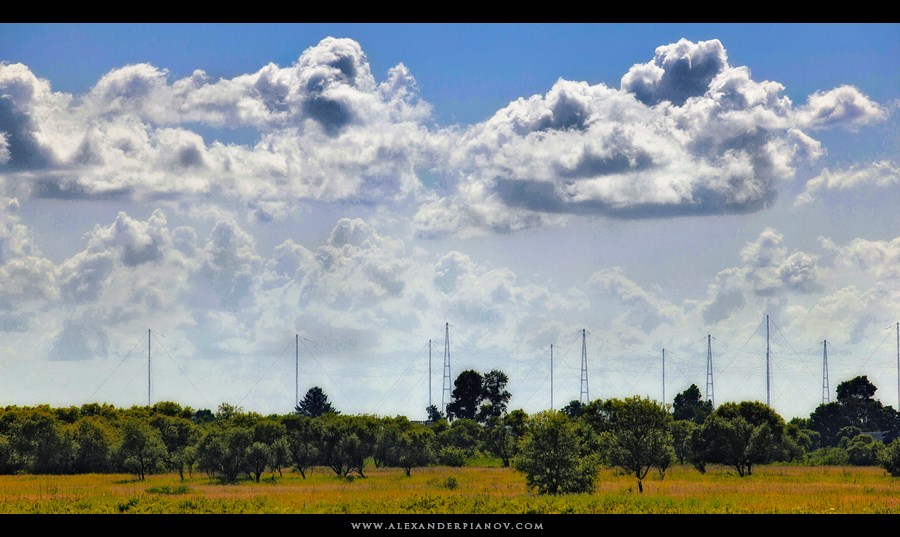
pixel 685 134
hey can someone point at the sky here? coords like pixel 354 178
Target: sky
pixel 659 186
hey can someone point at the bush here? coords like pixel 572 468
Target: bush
pixel 553 458
pixel 831 456
pixel 889 458
pixel 863 450
pixel 451 456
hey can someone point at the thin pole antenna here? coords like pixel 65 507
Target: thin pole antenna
pixel 551 376
pixel 148 367
pixel 768 372
pixel 429 372
pixel 826 391
pixel 898 365
pixel 296 369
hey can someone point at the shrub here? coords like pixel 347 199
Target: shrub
pixel 451 456
pixel 889 458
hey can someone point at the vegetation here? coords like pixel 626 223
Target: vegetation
pixel 468 490
pixel 554 457
pixel 556 452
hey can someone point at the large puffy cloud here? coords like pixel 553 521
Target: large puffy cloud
pixel 685 134
pixel 881 174
pixel 327 131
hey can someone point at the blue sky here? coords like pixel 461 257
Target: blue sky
pixel 520 181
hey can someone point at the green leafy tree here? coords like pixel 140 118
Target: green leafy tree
pixel 177 433
pixel 553 458
pixel 494 395
pixel 573 409
pixel 257 458
pixel 682 433
pixel 689 405
pixel 434 413
pixel 462 434
pixel 142 450
pixel 639 438
pixel 7 466
pixel 416 449
pixel 280 452
pixel 39 442
pixel 467 396
pixel 222 450
pixel 741 435
pixel 862 450
pixel 500 435
pixel 855 407
pixel 889 458
pixel 94 443
pixel 304 436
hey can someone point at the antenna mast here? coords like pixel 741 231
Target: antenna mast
pixel 710 388
pixel 148 367
pixel 551 376
pixel 768 373
pixel 445 393
pixel 826 391
pixel 429 372
pixel 585 392
pixel 296 369
pixel 664 376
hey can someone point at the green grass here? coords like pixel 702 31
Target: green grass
pixel 477 490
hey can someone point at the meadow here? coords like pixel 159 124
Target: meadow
pixel 469 490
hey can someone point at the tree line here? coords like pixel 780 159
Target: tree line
pixel 557 451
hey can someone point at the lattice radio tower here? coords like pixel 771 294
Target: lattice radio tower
pixel 585 392
pixel 710 388
pixel 826 391
pixel 445 393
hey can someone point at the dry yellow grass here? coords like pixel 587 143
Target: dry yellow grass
pixel 773 489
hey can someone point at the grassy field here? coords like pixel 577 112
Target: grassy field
pixel 772 489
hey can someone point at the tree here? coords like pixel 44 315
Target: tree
pixel 498 439
pixel 682 433
pixel 501 434
pixel 553 458
pixel 741 435
pixel 142 450
pixel 639 438
pixel 862 450
pixel 856 390
pixel 573 409
pixel 855 407
pixel 494 394
pixel 176 433
pixel 303 439
pixel 415 448
pixel 94 441
pixel 38 441
pixel 256 458
pixel 222 451
pixel 889 458
pixel 314 404
pixel 689 405
pixel 463 434
pixel 434 414
pixel 467 395
pixel 280 453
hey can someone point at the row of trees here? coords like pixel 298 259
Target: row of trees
pixel 557 451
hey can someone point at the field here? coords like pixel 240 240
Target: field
pixel 471 490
